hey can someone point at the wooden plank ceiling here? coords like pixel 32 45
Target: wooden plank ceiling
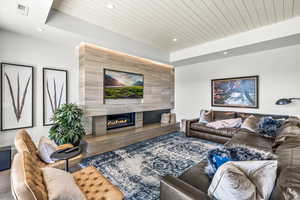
pixel 191 22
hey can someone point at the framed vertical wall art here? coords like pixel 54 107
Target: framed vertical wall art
pixel 55 92
pixel 16 96
pixel 241 92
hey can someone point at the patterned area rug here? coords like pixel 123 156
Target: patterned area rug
pixel 137 168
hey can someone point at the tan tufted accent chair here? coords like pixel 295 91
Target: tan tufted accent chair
pixel 27 181
pixel 23 142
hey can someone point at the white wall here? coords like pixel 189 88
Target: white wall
pixel 278 70
pixel 27 50
pixel 21 49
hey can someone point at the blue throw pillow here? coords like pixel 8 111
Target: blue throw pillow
pixel 219 160
pixel 216 158
pixel 268 127
pixel 219 156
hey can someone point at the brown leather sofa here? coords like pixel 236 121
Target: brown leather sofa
pixel 200 130
pixel 194 183
pixel 23 142
pixel 27 182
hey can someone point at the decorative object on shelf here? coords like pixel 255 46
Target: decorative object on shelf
pixel 286 101
pixel 67 125
pixel 123 85
pixel 16 96
pixel 55 92
pixel 172 118
pixel 241 92
pixel 165 119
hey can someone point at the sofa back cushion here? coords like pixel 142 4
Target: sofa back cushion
pixel 288 185
pixel 250 123
pixel 23 142
pixel 221 115
pixel 26 178
pixel 289 132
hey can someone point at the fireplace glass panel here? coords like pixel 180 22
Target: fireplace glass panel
pixel 120 120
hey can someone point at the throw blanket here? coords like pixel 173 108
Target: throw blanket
pixel 227 123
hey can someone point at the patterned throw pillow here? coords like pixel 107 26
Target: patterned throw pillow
pixel 205 116
pixel 268 127
pixel 244 180
pixel 227 123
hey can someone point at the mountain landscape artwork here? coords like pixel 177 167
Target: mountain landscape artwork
pixel 235 92
pixel 123 85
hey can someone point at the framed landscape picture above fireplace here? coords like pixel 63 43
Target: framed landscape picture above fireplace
pixel 239 92
pixel 123 85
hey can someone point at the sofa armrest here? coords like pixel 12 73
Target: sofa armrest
pixel 175 189
pixel 188 125
pixel 64 146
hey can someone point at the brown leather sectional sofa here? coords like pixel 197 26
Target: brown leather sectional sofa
pixel 196 129
pixel 194 183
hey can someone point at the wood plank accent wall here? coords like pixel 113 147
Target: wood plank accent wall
pixel 158 82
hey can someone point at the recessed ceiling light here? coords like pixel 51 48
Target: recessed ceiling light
pixel 174 39
pixel 40 29
pixel 110 6
pixel 225 52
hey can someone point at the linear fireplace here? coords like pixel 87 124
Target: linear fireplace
pixel 120 121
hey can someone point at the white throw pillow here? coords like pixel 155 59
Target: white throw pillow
pixel 46 148
pixel 61 185
pixel 244 180
pixel 205 116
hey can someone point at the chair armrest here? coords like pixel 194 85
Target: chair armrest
pixel 175 189
pixel 188 125
pixel 64 146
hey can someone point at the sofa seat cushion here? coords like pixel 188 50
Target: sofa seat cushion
pixel 226 132
pixel 251 140
pixel 197 177
pixel 95 186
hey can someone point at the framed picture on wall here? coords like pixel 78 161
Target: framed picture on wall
pixel 16 96
pixel 241 92
pixel 55 92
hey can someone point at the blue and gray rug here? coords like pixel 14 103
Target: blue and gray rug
pixel 137 168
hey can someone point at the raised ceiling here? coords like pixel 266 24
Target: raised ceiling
pixel 192 22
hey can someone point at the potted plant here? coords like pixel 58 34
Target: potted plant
pixel 67 125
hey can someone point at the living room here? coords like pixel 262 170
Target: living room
pixel 150 99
